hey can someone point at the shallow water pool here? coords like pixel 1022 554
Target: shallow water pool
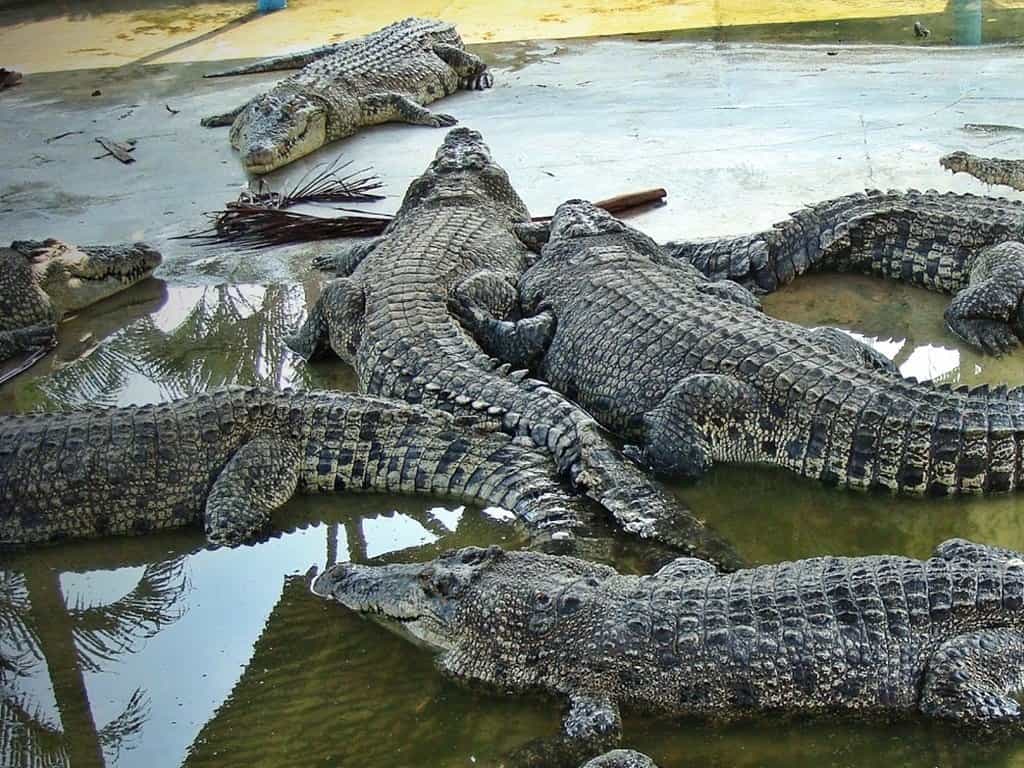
pixel 155 651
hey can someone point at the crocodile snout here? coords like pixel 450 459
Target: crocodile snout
pixel 260 157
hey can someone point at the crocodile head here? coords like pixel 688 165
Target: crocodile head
pixel 74 277
pixel 278 128
pixel 957 162
pixel 483 608
pixel 463 172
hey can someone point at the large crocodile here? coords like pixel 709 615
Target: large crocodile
pixel 990 170
pixel 41 282
pixel 231 457
pixel 385 76
pixel 388 317
pixel 943 637
pixel 694 372
pixel 943 242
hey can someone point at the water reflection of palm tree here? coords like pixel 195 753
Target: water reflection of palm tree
pixel 39 627
pixel 231 334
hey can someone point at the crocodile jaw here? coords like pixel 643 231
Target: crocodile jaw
pixel 277 130
pixel 75 278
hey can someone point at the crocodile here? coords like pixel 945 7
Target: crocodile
pixel 966 245
pixel 388 75
pixel 990 170
pixel 388 317
pixel 41 282
pixel 620 758
pixel 879 635
pixel 231 457
pixel 692 371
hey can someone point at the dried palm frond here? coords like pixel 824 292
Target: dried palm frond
pixel 256 226
pixel 259 226
pixel 326 186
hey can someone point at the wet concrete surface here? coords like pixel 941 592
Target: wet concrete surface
pixel 739 135
pixel 105 33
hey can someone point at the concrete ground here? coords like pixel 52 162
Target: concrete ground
pixel 739 136
pixel 104 33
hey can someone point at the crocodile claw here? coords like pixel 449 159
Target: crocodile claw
pixel 441 120
pixel 989 316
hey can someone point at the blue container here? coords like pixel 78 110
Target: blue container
pixel 266 6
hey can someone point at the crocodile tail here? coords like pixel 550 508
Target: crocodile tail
pixel 925 238
pixel 941 441
pixel 580 447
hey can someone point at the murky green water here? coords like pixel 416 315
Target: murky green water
pixel 154 651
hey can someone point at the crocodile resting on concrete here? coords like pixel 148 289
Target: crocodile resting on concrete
pixel 41 282
pixel 385 76
pixel 943 242
pixel 388 316
pixel 943 637
pixel 231 457
pixel 991 170
pixel 692 371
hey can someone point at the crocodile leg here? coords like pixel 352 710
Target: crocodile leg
pixel 682 432
pixel 259 478
pixel 396 107
pixel 333 323
pixel 972 677
pixel 226 118
pixel 989 313
pixel 344 260
pixel 19 340
pixel 276 63
pixel 591 726
pixel 471 69
pixel 519 343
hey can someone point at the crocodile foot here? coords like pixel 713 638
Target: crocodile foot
pixel 989 313
pixel 440 120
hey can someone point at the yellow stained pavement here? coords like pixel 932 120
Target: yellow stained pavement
pixel 226 30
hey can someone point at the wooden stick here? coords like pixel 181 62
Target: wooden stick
pixel 626 202
pixel 117 149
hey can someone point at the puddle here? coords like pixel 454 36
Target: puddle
pixel 960 22
pixel 157 342
pixel 156 651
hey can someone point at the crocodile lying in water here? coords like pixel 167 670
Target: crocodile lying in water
pixel 944 242
pixel 694 372
pixel 385 76
pixel 41 282
pixel 230 458
pixel 990 170
pixel 943 637
pixel 389 318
